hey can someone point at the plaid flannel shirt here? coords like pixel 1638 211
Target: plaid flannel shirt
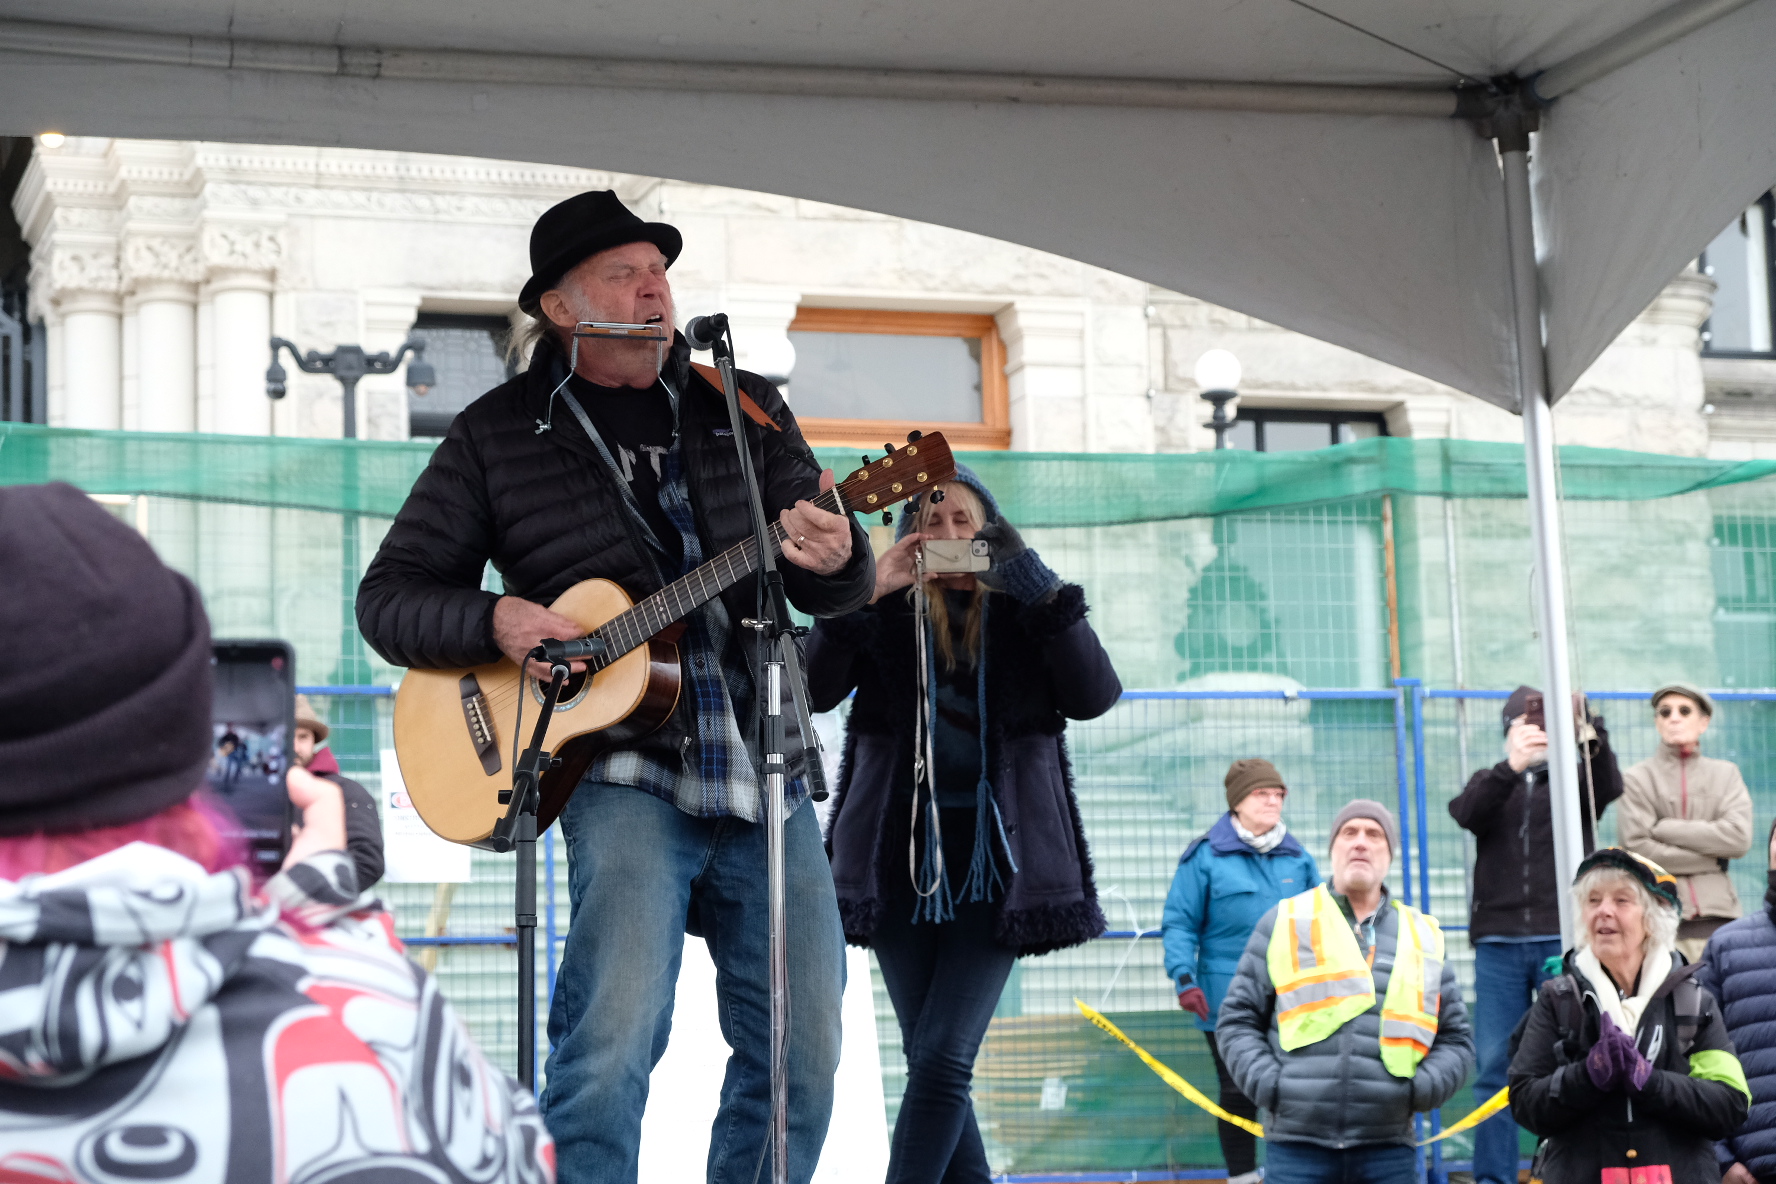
pixel 714 775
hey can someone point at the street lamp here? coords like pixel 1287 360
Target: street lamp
pixel 1218 378
pixel 349 363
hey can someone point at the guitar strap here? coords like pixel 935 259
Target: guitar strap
pixel 753 411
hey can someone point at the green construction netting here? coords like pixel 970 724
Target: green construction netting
pixel 1038 489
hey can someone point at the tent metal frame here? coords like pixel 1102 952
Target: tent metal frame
pixel 1506 110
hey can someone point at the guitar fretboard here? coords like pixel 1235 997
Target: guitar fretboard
pixel 686 594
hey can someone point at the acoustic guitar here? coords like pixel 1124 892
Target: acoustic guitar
pixel 453 728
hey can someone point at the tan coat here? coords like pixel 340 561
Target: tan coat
pixel 1689 815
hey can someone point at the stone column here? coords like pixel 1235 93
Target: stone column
pixel 92 360
pixel 1045 370
pixel 242 263
pixel 760 315
pixel 162 273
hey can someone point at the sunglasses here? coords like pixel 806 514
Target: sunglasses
pixel 1667 710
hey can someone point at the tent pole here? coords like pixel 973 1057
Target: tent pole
pixel 1549 583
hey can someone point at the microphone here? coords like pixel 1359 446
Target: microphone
pixel 704 332
pixel 556 652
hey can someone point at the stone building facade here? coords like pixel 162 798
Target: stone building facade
pixel 161 268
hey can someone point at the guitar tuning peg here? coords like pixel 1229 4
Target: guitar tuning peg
pixel 888 449
pixel 937 495
pixel 866 460
pixel 914 436
pixel 887 517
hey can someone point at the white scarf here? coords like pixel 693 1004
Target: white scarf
pixel 1625 1010
pixel 1260 843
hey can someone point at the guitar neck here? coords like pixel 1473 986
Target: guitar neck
pixel 686 594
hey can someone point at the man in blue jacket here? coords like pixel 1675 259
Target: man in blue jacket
pixel 1227 880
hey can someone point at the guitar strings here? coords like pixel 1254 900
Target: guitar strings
pixel 614 632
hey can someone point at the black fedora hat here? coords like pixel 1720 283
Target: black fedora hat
pixel 580 227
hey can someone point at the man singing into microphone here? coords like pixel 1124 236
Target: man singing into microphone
pixel 626 469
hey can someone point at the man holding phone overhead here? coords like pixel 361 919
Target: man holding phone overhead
pixel 1514 921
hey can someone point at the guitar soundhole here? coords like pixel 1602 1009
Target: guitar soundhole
pixel 572 691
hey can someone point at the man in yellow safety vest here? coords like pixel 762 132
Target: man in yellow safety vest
pixel 1344 1018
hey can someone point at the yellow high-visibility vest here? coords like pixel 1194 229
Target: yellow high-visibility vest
pixel 1323 980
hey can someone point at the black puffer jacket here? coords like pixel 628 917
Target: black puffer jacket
pixel 1515 892
pixel 548 512
pixel 1044 665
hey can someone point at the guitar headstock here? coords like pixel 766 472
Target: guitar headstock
pixel 912 468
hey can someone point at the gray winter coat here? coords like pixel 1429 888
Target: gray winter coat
pixel 1337 1093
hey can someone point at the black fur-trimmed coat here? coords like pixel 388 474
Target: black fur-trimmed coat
pixel 1044 666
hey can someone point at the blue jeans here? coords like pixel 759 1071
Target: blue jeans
pixel 1368 1163
pixel 1506 976
pixel 637 869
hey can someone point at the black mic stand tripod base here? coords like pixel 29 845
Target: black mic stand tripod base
pixel 517 830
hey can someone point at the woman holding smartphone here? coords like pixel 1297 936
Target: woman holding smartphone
pixel 955 835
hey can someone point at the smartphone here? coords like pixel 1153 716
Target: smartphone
pixel 956 555
pixel 1533 712
pixel 253 730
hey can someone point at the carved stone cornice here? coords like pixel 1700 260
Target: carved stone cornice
pixel 160 258
pixel 73 269
pixel 238 247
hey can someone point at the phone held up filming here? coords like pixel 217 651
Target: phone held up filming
pixel 948 556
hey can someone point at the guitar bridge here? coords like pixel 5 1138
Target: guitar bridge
pixel 481 734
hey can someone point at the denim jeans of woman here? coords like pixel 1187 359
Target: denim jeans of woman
pixel 945 980
pixel 637 868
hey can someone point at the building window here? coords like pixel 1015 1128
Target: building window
pixel 865 377
pixel 1259 429
pixel 469 354
pixel 1744 555
pixel 1742 261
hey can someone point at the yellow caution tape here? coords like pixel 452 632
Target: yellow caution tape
pixel 1480 1114
pixel 1477 1116
pixel 1166 1075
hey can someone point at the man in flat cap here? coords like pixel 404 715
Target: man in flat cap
pixel 1344 1019
pixel 614 458
pixel 1689 813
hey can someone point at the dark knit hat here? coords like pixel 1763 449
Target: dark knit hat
pixel 1376 813
pixel 1655 879
pixel 1517 704
pixel 104 670
pixel 573 231
pixel 1243 776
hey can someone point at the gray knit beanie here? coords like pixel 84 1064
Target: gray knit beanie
pixel 1375 812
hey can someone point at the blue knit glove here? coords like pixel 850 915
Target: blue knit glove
pixel 1017 570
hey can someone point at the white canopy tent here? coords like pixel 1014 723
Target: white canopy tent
pixel 1321 166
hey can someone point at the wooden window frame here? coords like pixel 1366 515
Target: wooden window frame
pixel 991 431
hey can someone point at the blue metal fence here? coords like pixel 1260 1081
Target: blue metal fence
pixel 1148 776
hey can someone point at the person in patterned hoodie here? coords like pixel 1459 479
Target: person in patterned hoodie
pixel 160 1017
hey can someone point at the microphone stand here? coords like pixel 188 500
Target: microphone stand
pixel 777 655
pixel 518 829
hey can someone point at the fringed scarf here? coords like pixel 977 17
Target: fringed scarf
pixel 931 878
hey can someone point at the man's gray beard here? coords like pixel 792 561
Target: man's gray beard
pixel 583 311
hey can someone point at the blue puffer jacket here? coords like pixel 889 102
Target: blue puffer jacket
pixel 1739 970
pixel 1221 889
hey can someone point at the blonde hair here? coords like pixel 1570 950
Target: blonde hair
pixel 940 609
pixel 1659 917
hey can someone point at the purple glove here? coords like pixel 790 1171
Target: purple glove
pixel 1193 1000
pixel 1614 1061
